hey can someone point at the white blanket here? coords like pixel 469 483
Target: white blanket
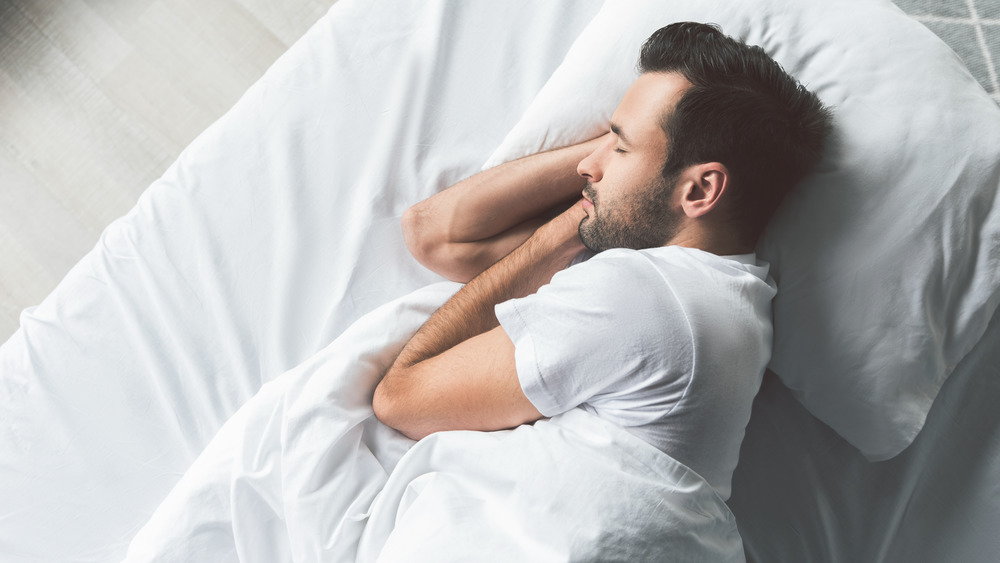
pixel 275 230
pixel 305 472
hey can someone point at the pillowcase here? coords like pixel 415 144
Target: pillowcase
pixel 887 257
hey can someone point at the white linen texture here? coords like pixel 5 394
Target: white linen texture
pixel 305 472
pixel 274 230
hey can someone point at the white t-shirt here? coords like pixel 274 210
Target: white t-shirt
pixel 670 343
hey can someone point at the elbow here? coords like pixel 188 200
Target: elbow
pixel 415 232
pixel 430 246
pixel 382 404
pixel 390 409
pixel 423 237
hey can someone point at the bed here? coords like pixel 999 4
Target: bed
pixel 170 399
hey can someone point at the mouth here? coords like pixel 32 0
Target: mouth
pixel 589 196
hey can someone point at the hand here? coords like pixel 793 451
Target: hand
pixel 563 232
pixel 571 218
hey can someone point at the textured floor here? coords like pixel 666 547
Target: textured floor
pixel 98 97
pixel 970 27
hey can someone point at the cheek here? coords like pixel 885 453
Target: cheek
pixel 622 185
pixel 634 170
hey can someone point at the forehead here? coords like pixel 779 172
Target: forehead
pixel 651 96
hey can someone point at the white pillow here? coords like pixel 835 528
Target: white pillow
pixel 887 257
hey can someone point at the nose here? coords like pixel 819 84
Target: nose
pixel 590 167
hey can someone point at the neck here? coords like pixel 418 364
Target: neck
pixel 721 242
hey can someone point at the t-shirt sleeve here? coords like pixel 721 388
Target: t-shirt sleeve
pixel 607 332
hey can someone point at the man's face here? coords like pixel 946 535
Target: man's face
pixel 628 202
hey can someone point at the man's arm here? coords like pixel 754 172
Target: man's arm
pixel 466 228
pixel 457 372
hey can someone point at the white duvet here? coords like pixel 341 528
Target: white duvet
pixel 279 227
pixel 305 472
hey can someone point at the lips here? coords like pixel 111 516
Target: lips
pixel 589 195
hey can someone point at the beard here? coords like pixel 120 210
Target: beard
pixel 641 219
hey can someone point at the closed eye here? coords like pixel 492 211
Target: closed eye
pixel 620 150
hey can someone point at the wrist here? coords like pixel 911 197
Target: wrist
pixel 550 249
pixel 560 237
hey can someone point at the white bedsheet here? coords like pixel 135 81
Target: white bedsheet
pixel 273 231
pixel 304 472
pixel 279 227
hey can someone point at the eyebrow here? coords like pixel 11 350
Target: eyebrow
pixel 618 131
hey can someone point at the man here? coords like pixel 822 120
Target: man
pixel 666 331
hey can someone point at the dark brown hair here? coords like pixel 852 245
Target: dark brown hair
pixel 742 110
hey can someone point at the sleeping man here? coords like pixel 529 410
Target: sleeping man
pixel 666 331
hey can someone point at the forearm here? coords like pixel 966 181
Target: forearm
pixel 521 272
pixel 458 372
pixel 469 226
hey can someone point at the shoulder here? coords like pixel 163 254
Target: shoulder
pixel 674 263
pixel 610 265
pixel 711 290
pixel 609 276
pixel 611 289
pixel 701 269
pixel 653 278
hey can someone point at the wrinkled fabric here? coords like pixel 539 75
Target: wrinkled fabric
pixel 304 472
pixel 275 229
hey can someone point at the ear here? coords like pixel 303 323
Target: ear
pixel 702 186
